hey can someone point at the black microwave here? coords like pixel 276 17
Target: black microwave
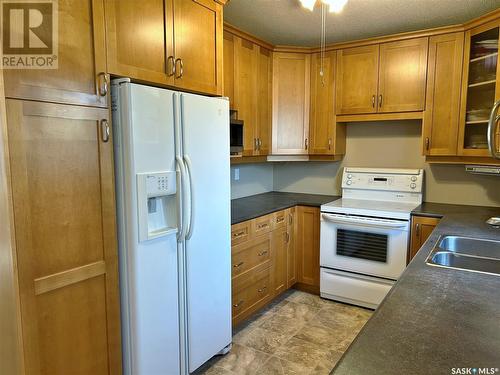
pixel 236 137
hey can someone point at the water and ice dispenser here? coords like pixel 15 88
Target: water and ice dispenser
pixel 157 204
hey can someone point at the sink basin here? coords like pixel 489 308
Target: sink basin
pixel 471 246
pixel 468 254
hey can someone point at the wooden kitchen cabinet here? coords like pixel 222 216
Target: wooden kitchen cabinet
pixel 80 77
pixel 291 250
pixel 307 247
pixel 382 78
pixel 262 132
pixel 402 74
pixel 279 242
pixel 421 229
pixel 480 88
pixel 169 42
pixel 64 214
pixel 229 57
pixel 326 136
pixel 357 80
pixel 442 110
pixel 290 125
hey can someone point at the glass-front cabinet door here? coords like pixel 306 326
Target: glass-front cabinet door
pixel 480 88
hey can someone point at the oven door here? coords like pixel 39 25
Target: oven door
pixel 365 245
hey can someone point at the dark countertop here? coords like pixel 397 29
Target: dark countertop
pixel 247 208
pixel 434 319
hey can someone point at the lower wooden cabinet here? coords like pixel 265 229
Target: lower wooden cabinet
pixel 307 247
pixel 421 229
pixel 64 215
pixel 272 253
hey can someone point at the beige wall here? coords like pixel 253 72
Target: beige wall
pixel 389 144
pixel 254 179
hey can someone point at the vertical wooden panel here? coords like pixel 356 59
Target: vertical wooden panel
pixel 264 100
pixel 308 245
pixel 229 68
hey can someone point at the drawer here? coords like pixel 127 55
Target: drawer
pixel 240 232
pixel 279 219
pixel 262 225
pixel 251 292
pixel 250 254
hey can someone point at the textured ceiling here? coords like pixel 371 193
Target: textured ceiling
pixel 285 22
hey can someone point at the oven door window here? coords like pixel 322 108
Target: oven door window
pixel 362 245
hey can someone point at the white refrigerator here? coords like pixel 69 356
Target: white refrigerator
pixel 173 209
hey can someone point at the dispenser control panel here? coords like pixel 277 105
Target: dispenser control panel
pixel 161 183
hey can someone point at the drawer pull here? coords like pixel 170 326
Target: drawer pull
pixel 238 265
pixel 263 253
pixel 290 219
pixel 238 234
pixel 260 226
pixel 280 219
pixel 239 303
pixel 262 289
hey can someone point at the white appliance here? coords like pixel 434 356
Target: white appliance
pixel 173 194
pixel 364 235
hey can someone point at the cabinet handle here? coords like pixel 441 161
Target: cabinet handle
pixel 238 234
pixel 255 144
pixel 306 143
pixel 262 289
pixel 103 83
pixel 238 265
pixel 329 143
pixel 104 130
pixel 427 143
pixel 260 226
pixel 280 219
pixel 260 143
pixel 290 219
pixel 380 101
pixel 417 230
pixel 239 303
pixel 262 253
pixel 181 68
pixel 170 63
pixel 373 101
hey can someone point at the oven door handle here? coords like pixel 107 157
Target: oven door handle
pixel 382 224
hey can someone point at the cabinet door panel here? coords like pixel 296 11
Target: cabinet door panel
pixel 322 117
pixel 290 130
pixel 357 80
pixel 402 75
pixel 81 57
pixel 198 36
pixel 63 199
pixel 229 68
pixel 279 269
pixel 264 99
pixel 442 108
pixel 307 242
pixel 139 39
pixel 245 99
pixel 421 229
pixel 291 253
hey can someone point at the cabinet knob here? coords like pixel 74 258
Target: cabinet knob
pixel 239 303
pixel 238 265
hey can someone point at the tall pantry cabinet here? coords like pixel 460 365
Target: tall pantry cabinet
pixel 60 149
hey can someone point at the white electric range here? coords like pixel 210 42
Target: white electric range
pixel 365 234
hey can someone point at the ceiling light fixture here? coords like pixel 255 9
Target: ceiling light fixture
pixel 333 5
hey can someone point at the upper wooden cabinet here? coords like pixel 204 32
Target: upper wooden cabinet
pixel 171 42
pixel 264 100
pixel 80 77
pixel 480 88
pixel 444 77
pixel 357 80
pixel 229 57
pixel 326 137
pixel 384 78
pixel 290 127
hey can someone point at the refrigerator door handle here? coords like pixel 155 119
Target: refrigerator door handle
pixel 181 234
pixel 189 165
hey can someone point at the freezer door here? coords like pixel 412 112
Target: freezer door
pixel 205 124
pixel 144 127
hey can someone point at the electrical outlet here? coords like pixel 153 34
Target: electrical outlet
pixel 236 174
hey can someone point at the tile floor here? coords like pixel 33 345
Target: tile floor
pixel 298 333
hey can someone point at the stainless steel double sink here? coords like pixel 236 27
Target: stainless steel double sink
pixel 465 253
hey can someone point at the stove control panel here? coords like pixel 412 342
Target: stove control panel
pixel 403 180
